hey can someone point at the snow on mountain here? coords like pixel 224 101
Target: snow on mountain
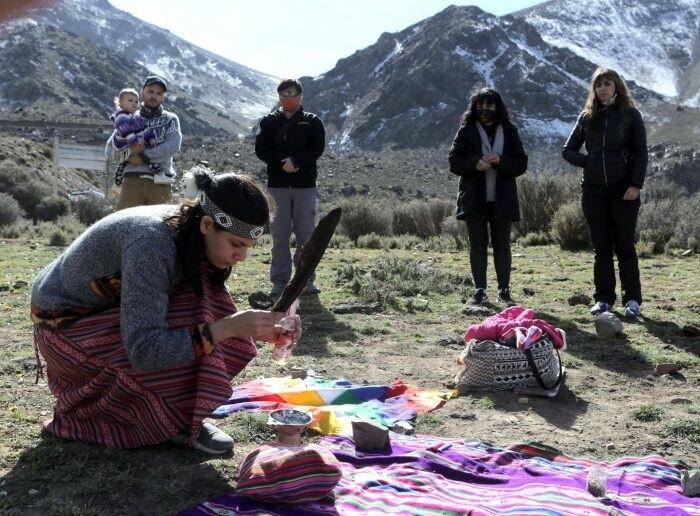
pixel 654 42
pixel 235 90
pixel 409 88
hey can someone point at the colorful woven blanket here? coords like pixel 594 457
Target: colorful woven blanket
pixel 334 403
pixel 479 479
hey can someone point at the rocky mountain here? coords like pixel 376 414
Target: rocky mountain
pixel 656 43
pixel 409 89
pixel 52 74
pixel 90 44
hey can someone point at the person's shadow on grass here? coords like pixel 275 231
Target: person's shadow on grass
pixel 321 327
pixel 58 476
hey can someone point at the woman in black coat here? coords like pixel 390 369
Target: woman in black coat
pixel 487 155
pixel 614 167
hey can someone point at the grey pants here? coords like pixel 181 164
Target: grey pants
pixel 297 207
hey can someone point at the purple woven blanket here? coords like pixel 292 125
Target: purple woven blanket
pixel 478 479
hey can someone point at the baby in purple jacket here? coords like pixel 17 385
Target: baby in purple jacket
pixel 130 128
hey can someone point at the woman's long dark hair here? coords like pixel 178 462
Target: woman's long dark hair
pixel 238 196
pixel 470 116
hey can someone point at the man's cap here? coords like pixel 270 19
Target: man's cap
pixel 155 79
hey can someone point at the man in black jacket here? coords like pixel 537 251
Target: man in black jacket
pixel 290 141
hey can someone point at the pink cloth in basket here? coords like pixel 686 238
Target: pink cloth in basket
pixel 503 325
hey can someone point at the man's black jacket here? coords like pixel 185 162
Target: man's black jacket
pixel 616 146
pixel 301 138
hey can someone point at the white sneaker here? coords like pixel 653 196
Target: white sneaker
pixel 161 178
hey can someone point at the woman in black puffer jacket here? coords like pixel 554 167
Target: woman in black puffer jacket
pixel 487 155
pixel 614 167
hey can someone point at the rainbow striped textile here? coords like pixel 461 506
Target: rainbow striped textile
pixel 335 403
pixel 479 479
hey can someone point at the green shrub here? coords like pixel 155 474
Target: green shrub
pixel 51 207
pixel 10 210
pixel 371 241
pixel 340 242
pixel 401 242
pixel 68 225
pixel 687 230
pixel 58 238
pixel 391 278
pixel 361 217
pixel 657 221
pixel 345 273
pixel 685 428
pixel 457 229
pixel 648 413
pixel 569 227
pixel 22 184
pixel 535 239
pixel 420 218
pixel 540 197
pixel 647 249
pixel 89 210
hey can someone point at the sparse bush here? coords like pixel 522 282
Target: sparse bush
pixel 361 217
pixel 646 249
pixel 540 197
pixel 51 207
pixel 421 218
pixel 440 243
pixel 10 210
pixel 688 226
pixel 13 231
pixel 657 221
pixel 371 241
pixel 457 229
pixel 534 239
pixel 89 210
pixel 392 278
pixel 648 413
pixel 685 428
pixel 69 226
pixel 23 186
pixel 439 211
pixel 58 238
pixel 402 242
pixel 340 242
pixel 345 273
pixel 569 227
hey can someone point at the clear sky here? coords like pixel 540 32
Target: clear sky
pixel 292 38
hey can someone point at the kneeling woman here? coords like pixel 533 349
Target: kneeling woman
pixel 139 333
pixel 487 155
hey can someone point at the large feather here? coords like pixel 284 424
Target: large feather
pixel 311 255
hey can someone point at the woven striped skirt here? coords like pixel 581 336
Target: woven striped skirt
pixel 102 399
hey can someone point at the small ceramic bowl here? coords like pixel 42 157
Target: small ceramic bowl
pixel 290 424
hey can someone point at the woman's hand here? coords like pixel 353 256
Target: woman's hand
pixel 631 194
pixel 483 165
pixel 256 324
pixel 286 332
pixel 492 158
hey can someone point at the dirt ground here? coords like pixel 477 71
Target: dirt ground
pixel 601 411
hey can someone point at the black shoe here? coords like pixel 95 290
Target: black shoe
pixel 478 297
pixel 504 297
pixel 209 439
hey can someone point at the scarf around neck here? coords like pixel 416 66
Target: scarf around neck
pixel 147 112
pixel 487 148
